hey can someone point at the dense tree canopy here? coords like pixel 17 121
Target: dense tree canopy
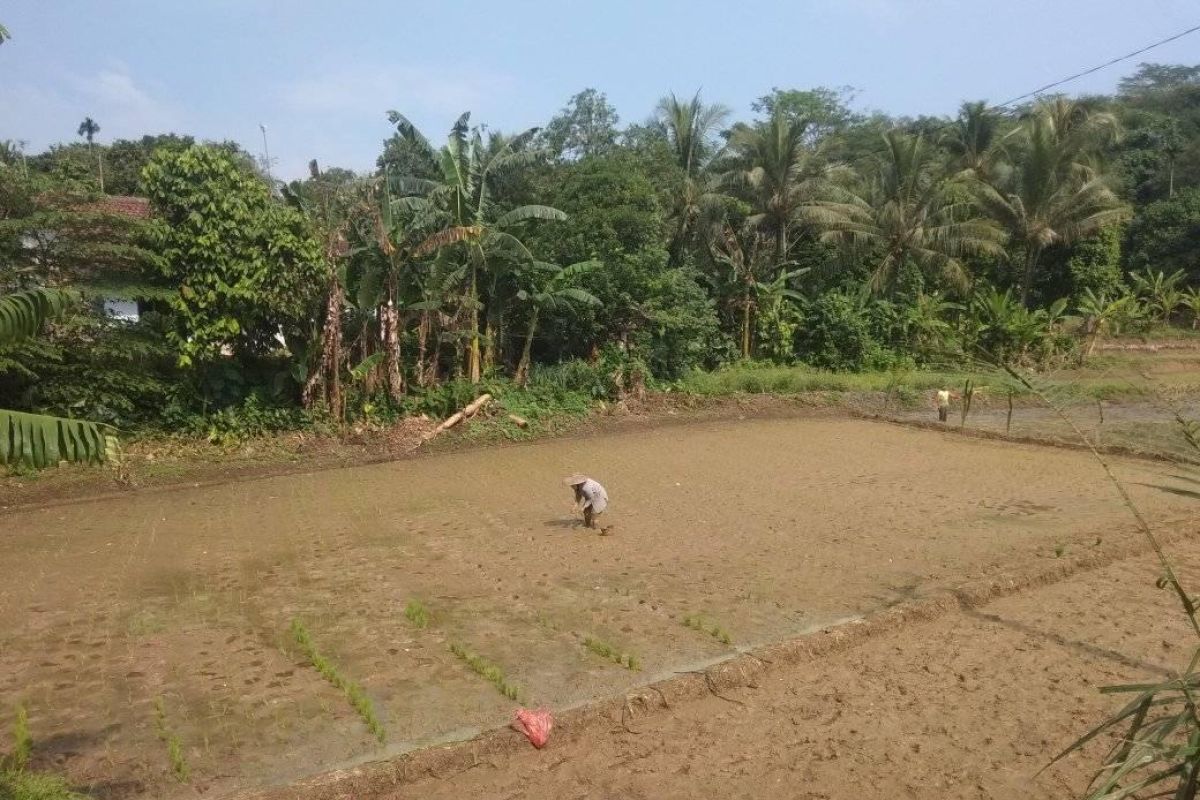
pixel 803 231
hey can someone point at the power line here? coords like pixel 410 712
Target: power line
pixel 1117 60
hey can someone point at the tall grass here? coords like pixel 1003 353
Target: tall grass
pixel 22 742
pixel 697 623
pixel 417 614
pixel 354 693
pixel 758 378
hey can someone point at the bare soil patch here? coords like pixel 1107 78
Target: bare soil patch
pixel 769 528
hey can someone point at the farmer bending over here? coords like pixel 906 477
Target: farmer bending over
pixel 589 495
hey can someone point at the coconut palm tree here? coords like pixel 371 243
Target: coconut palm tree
pixel 780 174
pixel 470 221
pixel 37 440
pixel 548 289
pixel 1191 300
pixel 691 129
pixel 908 211
pixel 88 129
pixel 977 140
pixel 1055 193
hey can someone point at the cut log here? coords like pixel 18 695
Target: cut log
pixel 476 404
pixel 459 416
pixel 520 422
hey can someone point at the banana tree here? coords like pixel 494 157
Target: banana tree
pixel 1104 315
pixel 37 440
pixel 471 222
pixel 1160 291
pixel 1191 301
pixel 550 290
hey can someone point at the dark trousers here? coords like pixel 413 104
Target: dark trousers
pixel 943 413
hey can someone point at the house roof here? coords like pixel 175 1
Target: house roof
pixel 126 205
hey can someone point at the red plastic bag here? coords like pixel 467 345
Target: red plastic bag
pixel 535 725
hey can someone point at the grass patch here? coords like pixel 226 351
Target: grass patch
pixel 16 785
pixel 698 623
pixel 486 670
pixel 904 386
pixel 353 691
pixel 179 765
pixel 417 614
pixel 606 650
pixel 22 742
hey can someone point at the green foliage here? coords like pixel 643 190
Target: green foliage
pixel 354 693
pixel 35 786
pixel 22 742
pixel 417 614
pixel 39 441
pixel 486 670
pixel 837 335
pixel 1165 235
pixel 1095 263
pixel 245 265
pixel 22 314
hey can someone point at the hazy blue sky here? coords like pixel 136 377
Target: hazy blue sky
pixel 320 75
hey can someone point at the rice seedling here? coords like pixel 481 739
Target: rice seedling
pixel 698 623
pixel 606 650
pixel 179 765
pixel 354 693
pixel 417 614
pixel 486 670
pixel 22 742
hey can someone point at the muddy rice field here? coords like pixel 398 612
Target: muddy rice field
pixel 169 616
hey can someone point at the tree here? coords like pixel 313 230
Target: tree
pixel 690 129
pixel 1055 193
pixel 1103 314
pixel 780 174
pixel 88 129
pixel 326 201
pixel 1166 235
pixel 1159 290
pixel 246 266
pixel 4 34
pixel 908 211
pixel 471 222
pixel 977 141
pixel 822 110
pixel 586 127
pixel 36 440
pixel 549 288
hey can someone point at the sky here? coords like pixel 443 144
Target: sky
pixel 322 75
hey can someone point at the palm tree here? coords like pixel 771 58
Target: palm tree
pixel 908 211
pixel 975 140
pixel 37 440
pixel 691 128
pixel 470 221
pixel 88 129
pixel 740 251
pixel 1054 193
pixel 780 173
pixel 550 291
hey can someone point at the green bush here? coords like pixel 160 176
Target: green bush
pixel 837 335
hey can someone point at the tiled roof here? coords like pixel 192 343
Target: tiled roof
pixel 123 204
